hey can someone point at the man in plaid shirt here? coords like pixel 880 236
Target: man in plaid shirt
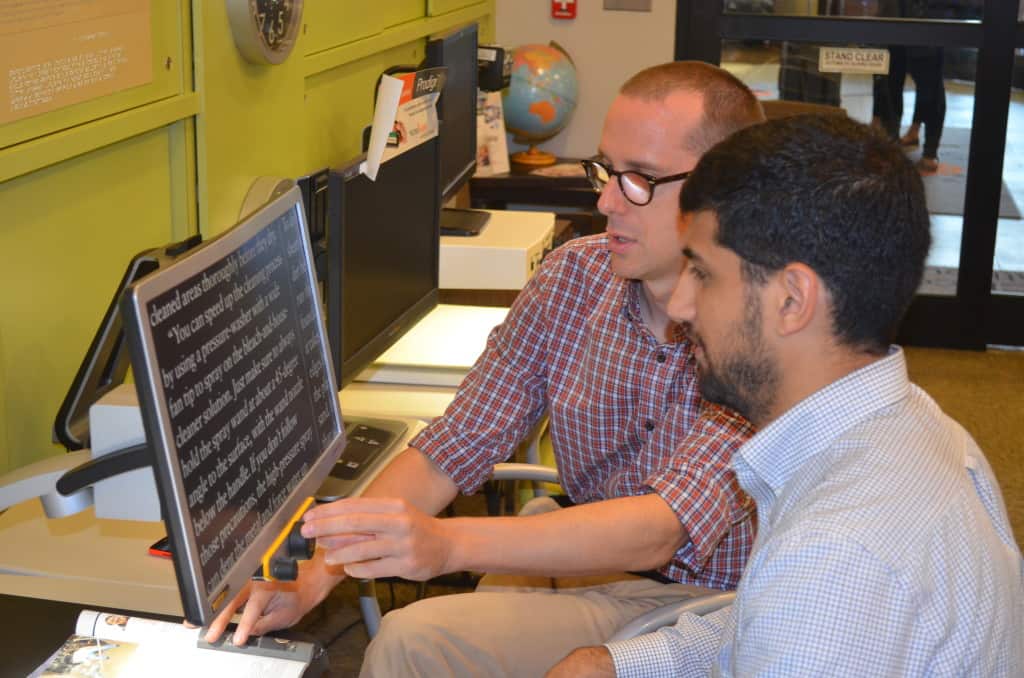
pixel 643 458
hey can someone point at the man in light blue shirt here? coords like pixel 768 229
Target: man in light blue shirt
pixel 884 546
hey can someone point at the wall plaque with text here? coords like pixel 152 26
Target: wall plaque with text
pixel 56 54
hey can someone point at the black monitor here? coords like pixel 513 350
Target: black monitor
pixel 382 255
pixel 238 399
pixel 456 108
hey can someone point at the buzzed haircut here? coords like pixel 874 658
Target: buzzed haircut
pixel 729 105
pixel 828 192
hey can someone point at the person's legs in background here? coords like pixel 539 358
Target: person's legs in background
pixel 888 91
pixel 913 135
pixel 925 66
pixel 881 106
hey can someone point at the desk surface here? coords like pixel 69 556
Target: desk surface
pixel 438 350
pixel 423 402
pixel 93 561
pixel 85 559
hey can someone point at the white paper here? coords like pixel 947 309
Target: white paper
pixel 491 144
pixel 388 94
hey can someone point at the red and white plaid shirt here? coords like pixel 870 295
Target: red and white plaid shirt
pixel 626 417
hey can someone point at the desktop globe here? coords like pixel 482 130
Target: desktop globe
pixel 540 99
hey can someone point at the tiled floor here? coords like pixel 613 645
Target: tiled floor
pixel 759 68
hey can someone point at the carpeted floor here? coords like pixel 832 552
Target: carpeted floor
pixel 983 391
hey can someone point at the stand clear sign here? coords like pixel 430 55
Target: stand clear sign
pixel 853 60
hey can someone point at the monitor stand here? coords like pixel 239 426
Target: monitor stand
pixel 463 222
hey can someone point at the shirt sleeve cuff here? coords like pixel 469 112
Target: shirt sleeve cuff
pixel 706 521
pixel 687 649
pixel 651 654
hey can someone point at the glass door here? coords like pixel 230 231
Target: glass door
pixel 944 89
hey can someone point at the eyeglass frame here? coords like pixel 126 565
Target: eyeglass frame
pixel 651 181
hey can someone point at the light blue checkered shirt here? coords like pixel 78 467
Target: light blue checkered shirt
pixel 884 549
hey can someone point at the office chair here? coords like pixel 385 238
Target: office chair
pixel 668 614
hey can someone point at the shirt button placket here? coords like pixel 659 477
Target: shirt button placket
pixel 660 357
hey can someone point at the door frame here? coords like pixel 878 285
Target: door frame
pixel 975 316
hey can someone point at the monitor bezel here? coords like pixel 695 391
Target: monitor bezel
pixel 198 603
pixel 435 56
pixel 347 370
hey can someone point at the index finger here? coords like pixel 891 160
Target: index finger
pixel 351 505
pixel 221 621
pixel 356 527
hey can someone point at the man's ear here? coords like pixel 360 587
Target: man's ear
pixel 798 293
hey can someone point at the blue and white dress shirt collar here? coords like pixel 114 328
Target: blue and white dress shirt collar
pixel 812 425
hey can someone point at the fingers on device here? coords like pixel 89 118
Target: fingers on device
pixel 264 646
pixel 281 561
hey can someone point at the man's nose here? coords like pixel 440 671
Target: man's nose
pixel 680 305
pixel 611 200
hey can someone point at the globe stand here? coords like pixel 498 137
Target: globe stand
pixel 533 157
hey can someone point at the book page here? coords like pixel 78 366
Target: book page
pixel 87 656
pixel 136 630
pixel 118 646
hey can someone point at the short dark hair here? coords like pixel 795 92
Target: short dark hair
pixel 828 192
pixel 729 104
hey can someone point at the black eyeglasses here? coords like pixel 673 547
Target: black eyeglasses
pixel 637 187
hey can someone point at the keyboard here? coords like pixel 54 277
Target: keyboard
pixel 368 442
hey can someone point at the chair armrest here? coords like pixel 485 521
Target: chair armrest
pixel 369 606
pixel 534 472
pixel 668 614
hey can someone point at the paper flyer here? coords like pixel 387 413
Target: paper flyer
pixel 491 144
pixel 405 115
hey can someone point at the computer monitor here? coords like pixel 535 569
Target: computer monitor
pixel 236 387
pixel 457 50
pixel 382 255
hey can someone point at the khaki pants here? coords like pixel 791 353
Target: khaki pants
pixel 511 626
